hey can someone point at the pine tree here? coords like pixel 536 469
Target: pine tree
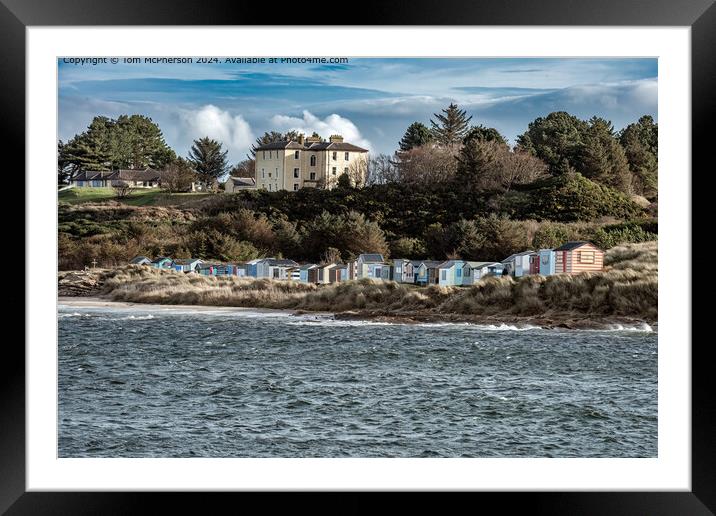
pixel 416 135
pixel 450 127
pixel 208 160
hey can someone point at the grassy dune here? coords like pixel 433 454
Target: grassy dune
pixel 628 288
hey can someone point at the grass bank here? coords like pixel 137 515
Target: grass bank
pixel 627 290
pixel 138 197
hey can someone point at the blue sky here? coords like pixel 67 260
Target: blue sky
pixel 370 101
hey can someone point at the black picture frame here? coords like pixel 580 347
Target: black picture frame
pixel 700 15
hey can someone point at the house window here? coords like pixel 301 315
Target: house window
pixel 295 186
pixel 335 155
pixel 345 170
pixel 263 174
pixel 296 172
pixel 313 160
pixel 346 156
pixel 459 273
pixel 269 174
pixel 263 154
pixel 586 257
pixel 296 154
pixel 269 185
pixel 313 176
pixel 443 275
pixel 334 171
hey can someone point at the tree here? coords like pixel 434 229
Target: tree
pixel 426 165
pixel 245 168
pixel 640 141
pixel 416 135
pixel 357 172
pixel 451 126
pixel 344 181
pixel 485 134
pixel 178 176
pixel 330 255
pixel 602 158
pixel 381 169
pixel 273 137
pixel 556 139
pixel 208 159
pixel 129 142
pixel 122 189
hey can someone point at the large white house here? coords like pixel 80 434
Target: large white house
pixel 308 162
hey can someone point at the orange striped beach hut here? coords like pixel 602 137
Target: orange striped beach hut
pixel 576 257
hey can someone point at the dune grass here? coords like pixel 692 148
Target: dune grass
pixel 628 287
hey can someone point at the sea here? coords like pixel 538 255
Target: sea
pixel 159 381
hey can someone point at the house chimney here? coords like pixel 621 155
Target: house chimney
pixel 300 138
pixel 336 138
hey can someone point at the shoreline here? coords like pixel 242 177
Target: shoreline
pixel 551 321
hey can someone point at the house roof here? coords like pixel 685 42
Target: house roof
pixel 430 264
pixel 186 261
pixel 281 262
pixel 243 181
pixel 449 263
pixel 89 175
pixel 138 259
pixel 161 258
pixel 371 258
pixel 307 266
pixel 313 146
pixel 478 265
pixel 523 253
pixel 572 245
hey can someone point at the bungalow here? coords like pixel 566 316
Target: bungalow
pixel 92 178
pixel 403 271
pixel 546 262
pixel 308 273
pixel 371 265
pixel 576 257
pixel 450 273
pixel 147 178
pixel 274 268
pixel 163 262
pixel 140 260
pixel 426 272
pixel 518 264
pixel 187 265
pixel 236 184
pixel 474 271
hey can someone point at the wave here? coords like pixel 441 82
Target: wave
pixel 73 314
pixel 643 327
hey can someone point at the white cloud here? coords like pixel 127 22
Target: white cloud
pixel 332 124
pixel 231 130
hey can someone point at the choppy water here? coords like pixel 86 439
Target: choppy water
pixel 156 382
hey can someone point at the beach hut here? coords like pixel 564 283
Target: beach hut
pixel 426 272
pixel 208 269
pixel 275 268
pixel 308 273
pixel 187 265
pixel 578 256
pixel 534 263
pixel 293 273
pixel 324 273
pixel 338 273
pixel 450 273
pixel 402 271
pixel 140 260
pixel 163 262
pixel 518 264
pixel 252 267
pixel 546 262
pixel 474 271
pixel 370 265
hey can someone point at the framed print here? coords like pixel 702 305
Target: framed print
pixel 416 252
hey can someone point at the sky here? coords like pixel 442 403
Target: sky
pixel 370 101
